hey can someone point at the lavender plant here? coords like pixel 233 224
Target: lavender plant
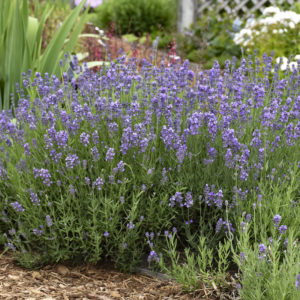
pixel 267 251
pixel 102 165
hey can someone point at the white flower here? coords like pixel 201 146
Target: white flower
pixel 238 40
pixel 288 15
pixel 292 25
pixel 269 20
pixel 297 57
pixel 271 10
pixel 175 57
pixel 246 31
pixel 264 29
pixel 275 31
pixel 280 31
pixel 283 67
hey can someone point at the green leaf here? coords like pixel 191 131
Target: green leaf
pixel 52 54
pixel 15 52
pixel 31 32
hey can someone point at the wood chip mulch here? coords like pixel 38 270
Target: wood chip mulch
pixel 84 282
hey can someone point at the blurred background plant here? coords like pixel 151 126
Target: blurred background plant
pixel 275 30
pixel 209 39
pixel 21 43
pixel 137 17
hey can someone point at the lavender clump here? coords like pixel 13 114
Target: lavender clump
pixel 217 133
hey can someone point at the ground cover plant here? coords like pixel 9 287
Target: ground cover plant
pixel 144 165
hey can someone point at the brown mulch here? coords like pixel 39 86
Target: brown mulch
pixel 84 282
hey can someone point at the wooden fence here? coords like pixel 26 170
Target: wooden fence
pixel 190 10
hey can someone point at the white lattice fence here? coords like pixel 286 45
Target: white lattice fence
pixel 238 7
pixel 190 10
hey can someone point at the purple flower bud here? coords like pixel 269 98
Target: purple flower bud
pixel 248 218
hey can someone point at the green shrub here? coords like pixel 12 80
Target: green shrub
pixel 137 17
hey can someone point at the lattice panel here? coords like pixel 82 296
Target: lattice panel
pixel 242 8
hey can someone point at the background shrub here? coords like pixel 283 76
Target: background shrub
pixel 137 17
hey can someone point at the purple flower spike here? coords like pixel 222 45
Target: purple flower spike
pixel 72 161
pixel 110 154
pixel 34 198
pixel 17 206
pixel 98 183
pixel 298 282
pixel 282 229
pixel 262 248
pixel 49 221
pixel 130 225
pixel 153 256
pixel 242 256
pixel 84 139
pixel 276 220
